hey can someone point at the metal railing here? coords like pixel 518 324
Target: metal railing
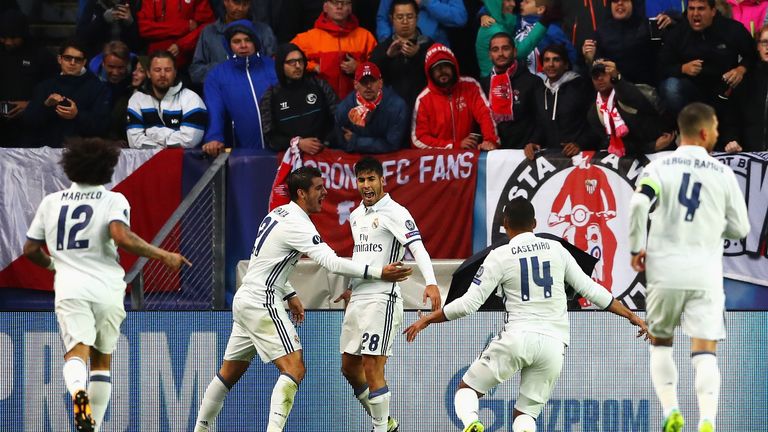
pixel 196 230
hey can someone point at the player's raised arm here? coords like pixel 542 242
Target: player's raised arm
pixel 126 239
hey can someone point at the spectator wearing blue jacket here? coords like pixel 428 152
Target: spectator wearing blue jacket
pixel 371 119
pixel 233 89
pixel 434 17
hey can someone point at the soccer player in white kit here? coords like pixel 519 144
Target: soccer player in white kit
pixel 261 324
pixel 530 273
pixel 82 227
pixel 381 229
pixel 698 204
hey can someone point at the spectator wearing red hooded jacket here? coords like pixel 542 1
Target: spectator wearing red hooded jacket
pixel 173 26
pixel 336 45
pixel 451 109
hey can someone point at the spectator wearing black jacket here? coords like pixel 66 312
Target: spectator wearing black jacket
pixel 74 103
pixel 561 124
pixel 24 65
pixel 512 91
pixel 703 57
pixel 104 21
pixel 400 57
pixel 300 109
pixel 625 38
pixel 622 120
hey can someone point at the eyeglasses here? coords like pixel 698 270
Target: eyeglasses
pixel 763 42
pixel 72 59
pixel 404 18
pixel 340 3
pixel 294 62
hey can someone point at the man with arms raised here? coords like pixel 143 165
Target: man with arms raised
pixel 698 204
pixel 261 324
pixel 381 229
pixel 531 273
pixel 82 227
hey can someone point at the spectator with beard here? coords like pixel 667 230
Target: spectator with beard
pixel 164 113
pixel 74 103
pixel 233 90
pixel 336 45
pixel 372 119
pixel 451 108
pixel 400 57
pixel 25 64
pixel 210 50
pixel 300 109
pixel 512 90
pixel 560 112
pixel 435 16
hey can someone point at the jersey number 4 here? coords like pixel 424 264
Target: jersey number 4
pixel 84 212
pixel 540 275
pixel 690 202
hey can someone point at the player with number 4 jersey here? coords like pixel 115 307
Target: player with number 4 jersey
pixel 82 227
pixel 698 204
pixel 261 324
pixel 530 275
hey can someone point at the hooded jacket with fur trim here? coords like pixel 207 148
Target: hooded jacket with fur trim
pixel 444 116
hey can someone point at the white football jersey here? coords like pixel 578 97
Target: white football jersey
pixel 530 272
pixel 283 236
pixel 74 224
pixel 698 203
pixel 381 233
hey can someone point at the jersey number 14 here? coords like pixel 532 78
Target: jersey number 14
pixel 540 275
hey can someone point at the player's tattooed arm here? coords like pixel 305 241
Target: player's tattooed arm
pixel 126 239
pixel 33 250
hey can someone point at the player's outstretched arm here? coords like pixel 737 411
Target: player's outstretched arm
pixel 395 272
pixel 33 250
pixel 126 239
pixel 619 309
pixel 424 321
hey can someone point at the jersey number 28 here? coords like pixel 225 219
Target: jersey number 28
pixel 82 211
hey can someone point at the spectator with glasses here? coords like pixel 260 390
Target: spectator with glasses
pixel 74 103
pixel 434 17
pixel 299 110
pixel 336 45
pixel 401 56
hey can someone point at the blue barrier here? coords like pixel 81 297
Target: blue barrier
pixel 165 360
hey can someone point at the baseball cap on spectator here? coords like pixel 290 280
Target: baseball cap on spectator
pixel 367 70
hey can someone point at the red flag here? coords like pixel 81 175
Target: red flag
pixel 291 161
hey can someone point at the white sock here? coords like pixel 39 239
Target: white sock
pixel 281 403
pixel 75 375
pixel 362 397
pixel 467 405
pixel 524 423
pixel 664 377
pixel 213 401
pixel 99 392
pixel 379 400
pixel 707 384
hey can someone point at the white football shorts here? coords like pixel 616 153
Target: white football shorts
pixel 267 331
pixel 93 324
pixel 538 357
pixel 701 312
pixel 370 325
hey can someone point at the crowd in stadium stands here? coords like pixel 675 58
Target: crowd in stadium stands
pixel 395 74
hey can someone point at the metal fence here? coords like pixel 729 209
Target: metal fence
pixel 196 230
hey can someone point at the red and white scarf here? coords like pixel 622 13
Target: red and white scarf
pixel 502 95
pixel 359 114
pixel 614 124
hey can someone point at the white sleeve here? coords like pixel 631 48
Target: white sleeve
pixel 136 129
pixel 583 284
pixel 193 122
pixel 639 206
pixel 120 210
pixel 36 229
pixel 403 227
pixel 423 261
pixel 305 239
pixel 736 214
pixel 288 290
pixel 487 278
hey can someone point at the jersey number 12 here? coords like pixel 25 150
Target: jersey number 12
pixel 541 276
pixel 77 214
